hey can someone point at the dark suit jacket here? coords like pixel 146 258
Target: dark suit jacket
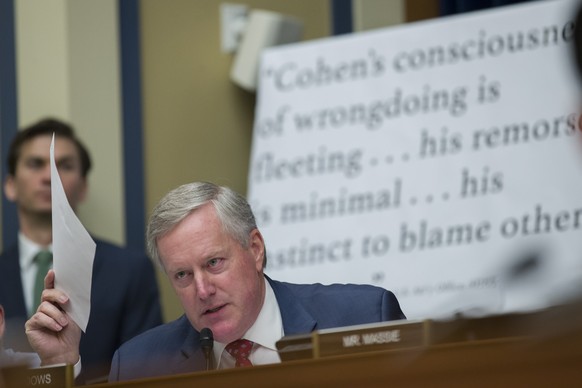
pixel 174 347
pixel 124 303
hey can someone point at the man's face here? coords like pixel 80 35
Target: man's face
pixel 219 282
pixel 30 187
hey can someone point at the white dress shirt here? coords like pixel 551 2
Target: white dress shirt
pixel 27 250
pixel 265 332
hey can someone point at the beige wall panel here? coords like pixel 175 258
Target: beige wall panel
pixel 95 98
pixel 373 14
pixel 68 67
pixel 197 123
pixel 42 59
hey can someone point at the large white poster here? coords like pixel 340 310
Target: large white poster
pixel 439 160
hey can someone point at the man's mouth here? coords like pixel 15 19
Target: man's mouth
pixel 213 310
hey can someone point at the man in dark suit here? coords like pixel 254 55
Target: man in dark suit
pixel 124 295
pixel 206 239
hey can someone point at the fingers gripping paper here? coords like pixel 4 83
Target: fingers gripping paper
pixel 73 251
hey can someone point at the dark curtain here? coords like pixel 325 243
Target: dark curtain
pixel 451 7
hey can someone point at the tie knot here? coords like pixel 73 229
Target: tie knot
pixel 43 257
pixel 240 350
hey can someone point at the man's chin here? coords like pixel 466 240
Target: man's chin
pixel 224 334
pixel 43 212
pixel 43 209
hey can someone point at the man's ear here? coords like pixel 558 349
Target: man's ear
pixel 257 247
pixel 10 188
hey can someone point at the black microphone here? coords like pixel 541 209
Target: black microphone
pixel 207 342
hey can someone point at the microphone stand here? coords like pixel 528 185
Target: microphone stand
pixel 207 343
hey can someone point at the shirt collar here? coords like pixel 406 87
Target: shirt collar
pixel 28 249
pixel 268 327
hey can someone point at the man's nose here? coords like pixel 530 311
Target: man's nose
pixel 46 172
pixel 204 285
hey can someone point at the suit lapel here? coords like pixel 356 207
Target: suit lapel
pixel 296 320
pixel 11 294
pixel 191 358
pixel 12 299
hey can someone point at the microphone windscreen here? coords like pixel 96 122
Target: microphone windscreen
pixel 206 338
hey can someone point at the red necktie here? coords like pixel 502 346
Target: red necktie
pixel 240 350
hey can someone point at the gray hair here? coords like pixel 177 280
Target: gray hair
pixel 232 210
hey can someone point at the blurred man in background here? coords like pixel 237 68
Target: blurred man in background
pixel 124 295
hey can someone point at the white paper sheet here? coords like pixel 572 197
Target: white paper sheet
pixel 73 251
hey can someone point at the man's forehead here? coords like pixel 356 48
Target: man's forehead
pixel 64 148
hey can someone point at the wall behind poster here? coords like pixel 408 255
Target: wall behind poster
pixel 438 159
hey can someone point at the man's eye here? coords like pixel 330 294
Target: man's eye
pixel 66 167
pixel 35 163
pixel 180 275
pixel 213 262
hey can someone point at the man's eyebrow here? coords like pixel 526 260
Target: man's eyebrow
pixel 65 158
pixel 34 158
